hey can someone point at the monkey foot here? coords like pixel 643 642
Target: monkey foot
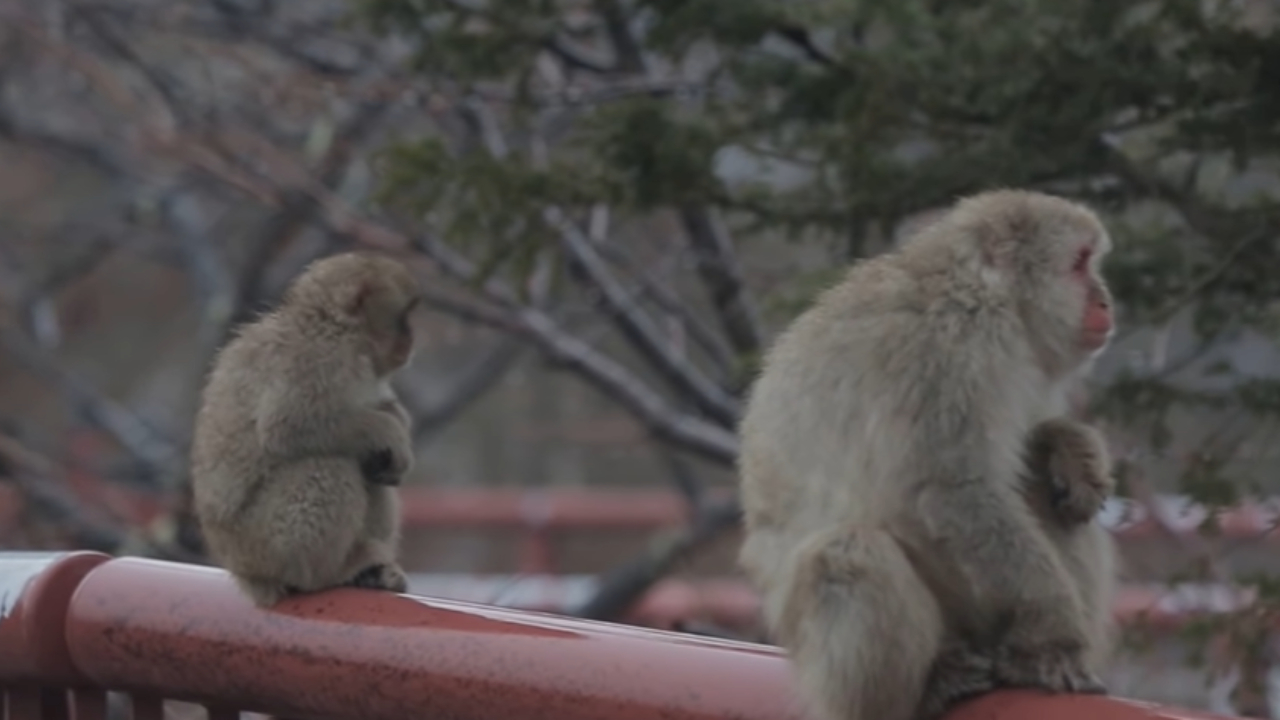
pixel 381 577
pixel 956 675
pixel 1055 668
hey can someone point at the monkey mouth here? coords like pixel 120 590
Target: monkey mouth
pixel 1095 340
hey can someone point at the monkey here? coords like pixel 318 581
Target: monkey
pixel 300 441
pixel 917 508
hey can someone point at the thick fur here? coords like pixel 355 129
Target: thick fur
pixel 898 475
pixel 299 436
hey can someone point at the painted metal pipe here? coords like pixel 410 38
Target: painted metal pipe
pixel 185 632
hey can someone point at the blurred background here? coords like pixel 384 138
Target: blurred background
pixel 614 205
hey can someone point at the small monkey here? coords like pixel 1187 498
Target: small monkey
pixel 300 440
pixel 917 507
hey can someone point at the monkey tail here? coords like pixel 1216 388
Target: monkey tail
pixel 861 627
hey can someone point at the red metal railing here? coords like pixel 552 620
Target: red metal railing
pixel 74 626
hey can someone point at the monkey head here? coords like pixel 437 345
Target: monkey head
pixel 1040 255
pixel 367 294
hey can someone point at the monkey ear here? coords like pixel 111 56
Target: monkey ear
pixel 353 304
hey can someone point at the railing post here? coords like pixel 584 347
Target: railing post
pixel 36 670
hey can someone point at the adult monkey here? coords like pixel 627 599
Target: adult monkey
pixel 887 447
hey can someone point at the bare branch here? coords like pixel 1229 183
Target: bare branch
pixel 623 586
pixel 98 24
pixel 297 210
pixel 575 59
pixel 479 377
pixel 216 283
pixel 630 57
pixel 41 482
pixel 600 370
pixel 709 397
pixel 800 37
pixel 35 476
pixel 718 266
pixel 143 443
pixel 684 478
pixel 662 296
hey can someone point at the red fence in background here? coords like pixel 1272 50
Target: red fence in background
pixel 539 512
pixel 74 626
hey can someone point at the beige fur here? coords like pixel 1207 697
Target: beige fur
pixel 888 447
pixel 299 436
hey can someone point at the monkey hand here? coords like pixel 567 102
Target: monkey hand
pixel 378 468
pixel 385 576
pixel 1076 467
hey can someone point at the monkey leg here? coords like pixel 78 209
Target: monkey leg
pixel 373 557
pixel 861 626
pixel 958 673
pixel 301 527
pixel 1089 554
pixel 1016 572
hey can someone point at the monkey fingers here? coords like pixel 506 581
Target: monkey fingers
pixel 1055 667
pixel 1071 460
pixel 1080 478
pixel 377 468
pixel 1077 494
pixel 956 675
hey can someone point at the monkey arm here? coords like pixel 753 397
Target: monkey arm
pixel 989 534
pixel 1019 584
pixel 289 429
pixel 1068 471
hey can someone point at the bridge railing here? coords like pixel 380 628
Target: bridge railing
pixel 74 626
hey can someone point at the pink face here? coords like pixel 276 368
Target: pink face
pixel 1096 324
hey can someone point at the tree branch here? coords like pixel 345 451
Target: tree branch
pixel 298 209
pixel 154 452
pixel 464 391
pixel 718 266
pixel 598 369
pixel 700 333
pixel 705 394
pixel 622 587
pixel 33 475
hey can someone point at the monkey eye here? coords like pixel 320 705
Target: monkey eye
pixel 1082 260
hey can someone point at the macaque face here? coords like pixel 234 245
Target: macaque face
pixel 402 345
pixel 1068 306
pixel 1096 323
pixel 386 312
